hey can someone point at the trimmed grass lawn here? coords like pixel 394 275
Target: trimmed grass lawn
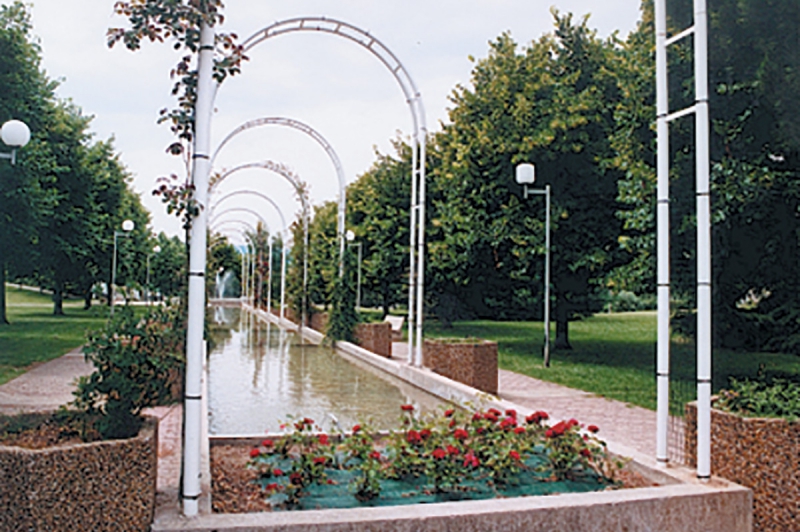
pixel 614 356
pixel 35 335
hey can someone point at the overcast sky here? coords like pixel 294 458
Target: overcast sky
pixel 329 83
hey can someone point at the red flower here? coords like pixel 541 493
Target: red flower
pixel 495 412
pixel 271 487
pixel 460 434
pixel 448 413
pixel 323 439
pixel 330 481
pixel 572 423
pixel 356 428
pixel 308 421
pixel 511 413
pixel 452 423
pixel 490 416
pixel 413 437
pixel 407 408
pixel 254 452
pixel 477 416
pixel 267 443
pixel 471 460
pixel 425 433
pixel 508 423
pixel 537 417
pixel 586 452
pixel 320 460
pixel 514 455
pixel 277 472
pixel 295 479
pixel 519 430
pixel 452 450
pixel 439 453
pixel 549 433
pixel 593 428
pixel 375 454
pixel 559 428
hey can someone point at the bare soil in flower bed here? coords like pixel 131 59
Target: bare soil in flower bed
pixel 40 431
pixel 234 489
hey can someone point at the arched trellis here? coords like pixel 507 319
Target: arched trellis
pixel 283 171
pixel 204 105
pixel 414 101
pixel 284 250
pixel 316 136
pixel 247 262
pixel 258 215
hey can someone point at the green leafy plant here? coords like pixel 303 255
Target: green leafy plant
pixel 344 315
pixel 138 363
pixel 761 398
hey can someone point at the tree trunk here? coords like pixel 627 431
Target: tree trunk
pixel 3 316
pixel 562 327
pixel 58 299
pixel 87 298
pixel 386 302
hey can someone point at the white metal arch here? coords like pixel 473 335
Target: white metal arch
pixel 283 171
pixel 316 136
pixel 414 101
pixel 247 263
pixel 249 193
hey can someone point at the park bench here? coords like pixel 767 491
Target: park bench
pixel 397 326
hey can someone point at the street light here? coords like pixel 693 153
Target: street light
pixel 127 227
pixel 526 175
pixel 156 249
pixel 16 134
pixel 350 235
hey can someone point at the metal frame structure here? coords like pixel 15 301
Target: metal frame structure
pixel 319 139
pixel 284 249
pixel 201 167
pixel 414 101
pixel 701 112
pixel 248 262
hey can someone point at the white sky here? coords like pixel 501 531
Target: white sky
pixel 333 85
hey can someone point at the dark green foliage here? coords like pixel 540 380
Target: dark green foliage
pixel 138 363
pixel 759 398
pixel 344 315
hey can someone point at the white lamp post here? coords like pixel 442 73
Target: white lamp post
pixel 156 249
pixel 16 134
pixel 350 235
pixel 526 175
pixel 127 227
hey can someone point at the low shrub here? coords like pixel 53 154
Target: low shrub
pixel 761 398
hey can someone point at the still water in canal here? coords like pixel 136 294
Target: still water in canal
pixel 259 374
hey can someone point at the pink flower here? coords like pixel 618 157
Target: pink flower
pixel 407 408
pixel 254 452
pixel 593 429
pixel 439 453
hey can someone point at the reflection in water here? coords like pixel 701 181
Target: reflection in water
pixel 258 374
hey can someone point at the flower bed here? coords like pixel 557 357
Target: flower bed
pixel 454 456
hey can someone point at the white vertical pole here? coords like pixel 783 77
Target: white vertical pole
pixel 421 246
pixel 358 281
pixel 412 273
pixel 113 275
pixel 283 276
pixel 197 268
pixel 269 279
pixel 662 214
pixel 703 241
pixel 547 278
pixel 241 277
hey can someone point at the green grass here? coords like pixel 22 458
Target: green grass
pixel 36 335
pixel 613 355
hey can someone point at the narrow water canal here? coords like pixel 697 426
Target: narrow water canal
pixel 258 374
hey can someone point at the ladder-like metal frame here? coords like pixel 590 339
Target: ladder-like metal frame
pixel 700 110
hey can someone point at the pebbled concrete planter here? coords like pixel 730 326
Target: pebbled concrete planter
pixel 375 337
pixel 99 486
pixel 319 321
pixel 471 362
pixel 762 454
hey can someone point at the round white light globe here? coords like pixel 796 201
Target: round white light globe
pixel 526 174
pixel 15 133
pixel 127 225
pixel 350 235
pixel 157 249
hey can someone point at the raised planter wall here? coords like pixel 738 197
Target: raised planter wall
pixel 375 337
pixel 107 485
pixel 319 321
pixel 473 364
pixel 760 453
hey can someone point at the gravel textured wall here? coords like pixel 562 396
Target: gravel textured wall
pixel 108 485
pixel 375 337
pixel 474 364
pixel 761 454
